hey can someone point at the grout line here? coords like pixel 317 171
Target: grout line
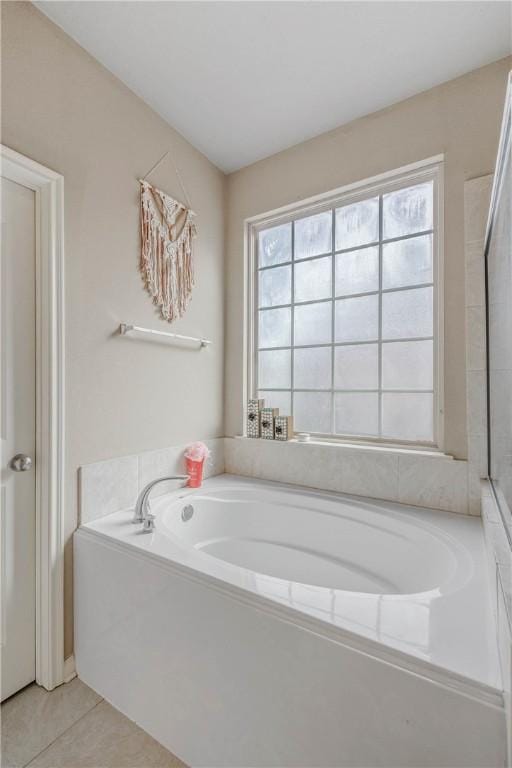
pixel 26 765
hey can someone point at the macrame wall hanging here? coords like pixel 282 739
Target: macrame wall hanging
pixel 166 262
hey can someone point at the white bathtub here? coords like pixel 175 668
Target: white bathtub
pixel 263 625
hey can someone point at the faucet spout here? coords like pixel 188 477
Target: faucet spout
pixel 141 511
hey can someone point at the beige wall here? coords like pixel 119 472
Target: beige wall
pixel 63 109
pixel 460 119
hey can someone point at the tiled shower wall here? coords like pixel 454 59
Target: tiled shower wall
pixel 477 194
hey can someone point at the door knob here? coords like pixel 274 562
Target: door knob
pixel 21 463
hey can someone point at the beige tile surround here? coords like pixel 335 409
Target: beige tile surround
pixel 437 482
pixel 108 486
pixel 73 727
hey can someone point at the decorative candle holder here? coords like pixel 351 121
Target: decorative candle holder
pixel 267 416
pixel 283 428
pixel 254 408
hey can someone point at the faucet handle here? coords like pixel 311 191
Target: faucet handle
pixel 148 525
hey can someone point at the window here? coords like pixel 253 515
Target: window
pixel 346 328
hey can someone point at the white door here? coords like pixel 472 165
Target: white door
pixel 17 430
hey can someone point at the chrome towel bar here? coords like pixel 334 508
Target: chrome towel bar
pixel 126 328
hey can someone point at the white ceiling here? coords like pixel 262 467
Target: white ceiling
pixel 243 80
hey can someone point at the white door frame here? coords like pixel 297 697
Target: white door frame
pixel 48 187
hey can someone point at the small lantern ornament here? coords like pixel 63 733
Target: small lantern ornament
pixel 283 428
pixel 254 407
pixel 267 417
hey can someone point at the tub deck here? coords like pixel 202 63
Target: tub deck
pixel 446 632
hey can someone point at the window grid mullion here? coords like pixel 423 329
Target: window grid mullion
pixel 411 236
pixel 349 343
pixel 379 348
pixel 255 377
pixel 343 297
pixel 317 389
pixel 385 241
pixel 292 322
pixel 333 319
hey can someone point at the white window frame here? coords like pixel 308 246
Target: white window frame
pixel 415 173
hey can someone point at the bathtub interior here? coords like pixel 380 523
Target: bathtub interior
pixel 348 546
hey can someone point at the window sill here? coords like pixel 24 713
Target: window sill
pixel 357 446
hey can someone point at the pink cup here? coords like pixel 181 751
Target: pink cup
pixel 194 471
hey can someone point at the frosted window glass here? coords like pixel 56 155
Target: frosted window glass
pixel 274 369
pixel 356 367
pixel 313 235
pixel 345 315
pixel 407 262
pixel 275 245
pixel 312 368
pixel 313 323
pixel 407 365
pixel 313 279
pixel 281 400
pixel 357 224
pixel 312 412
pixel 407 416
pixel 357 319
pixel 274 328
pixel 275 286
pixel 406 314
pixel 408 210
pixel 357 413
pixel 357 271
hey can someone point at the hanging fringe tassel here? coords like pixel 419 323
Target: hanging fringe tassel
pixel 166 258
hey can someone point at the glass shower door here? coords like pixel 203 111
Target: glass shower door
pixel 498 257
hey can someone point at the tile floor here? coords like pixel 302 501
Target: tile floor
pixel 73 727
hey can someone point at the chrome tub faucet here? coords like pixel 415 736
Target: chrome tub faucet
pixel 141 512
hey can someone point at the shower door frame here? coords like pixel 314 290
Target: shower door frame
pixel 504 148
